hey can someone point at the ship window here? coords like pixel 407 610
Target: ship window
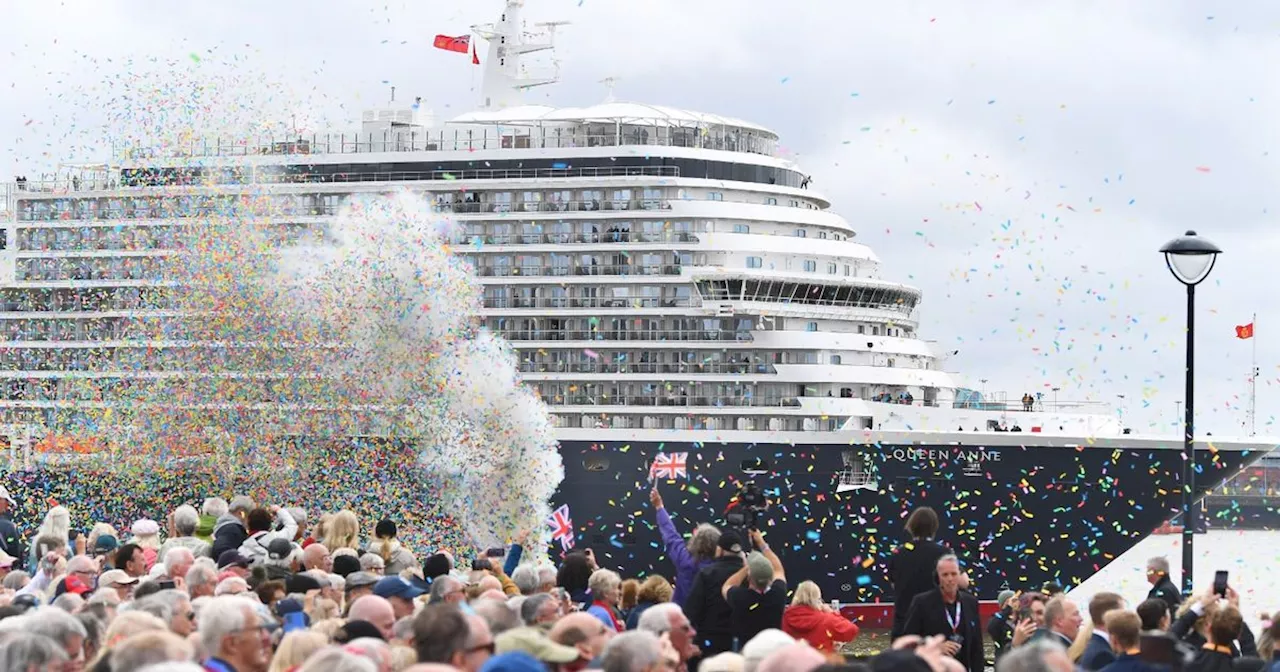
pixel 862 329
pixel 835 359
pixel 754 262
pixel 771 201
pixel 831 268
pixel 811 326
pixel 801 233
pixel 810 265
pixel 741 228
pixel 715 196
pixel 846 270
pixel 822 235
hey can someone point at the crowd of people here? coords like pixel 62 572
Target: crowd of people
pixel 245 586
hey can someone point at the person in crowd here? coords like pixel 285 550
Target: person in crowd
pixel 132 559
pixel 583 631
pixel 401 593
pixel 342 531
pixel 1155 614
pixel 234 636
pixel 708 611
pixel 183 523
pixel 104 549
pixel 375 610
pixel 951 613
pixel 295 648
pixel 637 651
pixel 1062 621
pixel 201 579
pixel 440 635
pixel 542 609
pixel 396 558
pixel 760 603
pixel 1098 651
pixel 10 540
pixel 668 619
pixel 229 531
pixel 574 575
pixel 374 564
pixel 606 592
pixel 1000 626
pixel 211 509
pixel 146 535
pixel 1219 653
pixel 689 557
pixel 1043 655
pixel 526 579
pixel 444 590
pixel 911 567
pixel 537 645
pixel 629 596
pixel 811 620
pixel 655 590
pixel 175 565
pixel 1196 617
pixel 1124 632
pixel 317 556
pixel 265 525
pixel 1162 586
pixel 56 530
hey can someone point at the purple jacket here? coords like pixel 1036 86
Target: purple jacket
pixel 686 567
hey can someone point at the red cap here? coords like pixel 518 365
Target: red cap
pixel 77 585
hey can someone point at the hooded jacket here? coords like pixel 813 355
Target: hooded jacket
pixel 397 558
pixel 204 529
pixel 228 534
pixel 255 545
pixel 821 629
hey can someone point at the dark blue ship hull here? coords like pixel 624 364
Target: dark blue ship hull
pixel 1019 510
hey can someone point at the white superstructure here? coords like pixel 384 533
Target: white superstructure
pixel 657 268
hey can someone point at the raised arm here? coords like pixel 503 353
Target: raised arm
pixel 677 551
pixel 735 579
pixel 758 539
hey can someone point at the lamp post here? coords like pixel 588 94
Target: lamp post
pixel 1190 258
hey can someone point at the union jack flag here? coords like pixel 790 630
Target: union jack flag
pixel 670 466
pixel 561 527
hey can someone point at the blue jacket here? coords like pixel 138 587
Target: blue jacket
pixel 1131 663
pixel 1097 653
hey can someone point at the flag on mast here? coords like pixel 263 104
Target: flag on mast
pixel 460 44
pixel 1244 330
pixel 475 57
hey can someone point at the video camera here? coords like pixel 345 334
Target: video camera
pixel 743 515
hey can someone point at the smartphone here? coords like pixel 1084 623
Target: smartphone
pixel 495 553
pixel 1220 583
pixel 167 585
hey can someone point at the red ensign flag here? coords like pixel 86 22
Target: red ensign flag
pixel 461 44
pixel 1244 330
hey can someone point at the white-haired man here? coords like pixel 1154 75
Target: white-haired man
pixel 669 618
pixel 234 636
pixel 200 580
pixel 950 612
pixel 183 522
pixel 1162 586
pixel 58 626
pixel 177 562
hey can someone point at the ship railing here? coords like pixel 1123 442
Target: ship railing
pixel 674 400
pixel 455 140
pixel 499 303
pixel 599 269
pixel 576 238
pixel 606 335
pixel 596 205
pixel 266 177
pixel 646 368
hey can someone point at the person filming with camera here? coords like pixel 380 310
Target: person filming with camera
pixel 758 604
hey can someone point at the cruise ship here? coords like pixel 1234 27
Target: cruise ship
pixel 684 300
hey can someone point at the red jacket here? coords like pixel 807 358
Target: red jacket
pixel 821 629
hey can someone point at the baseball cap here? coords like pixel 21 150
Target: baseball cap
pixel 72 584
pixel 4 494
pixel 730 541
pixel 116 577
pixel 1004 596
pixel 6 560
pixel 361 579
pixel 232 557
pixel 533 642
pixel 279 549
pixel 394 586
pixel 105 543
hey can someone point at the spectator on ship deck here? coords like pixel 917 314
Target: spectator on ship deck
pixel 912 565
pixel 689 558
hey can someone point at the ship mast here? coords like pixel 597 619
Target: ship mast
pixel 505 78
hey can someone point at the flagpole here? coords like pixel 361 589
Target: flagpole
pixel 1253 380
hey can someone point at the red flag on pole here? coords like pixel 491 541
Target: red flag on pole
pixel 1244 330
pixel 459 44
pixel 475 58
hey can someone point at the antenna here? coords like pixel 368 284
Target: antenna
pixel 393 94
pixel 609 82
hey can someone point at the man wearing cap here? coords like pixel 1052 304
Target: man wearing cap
pixel 10 540
pixel 400 592
pixel 1000 627
pixel 706 607
pixel 119 581
pixel 6 564
pixel 358 585
pixel 104 550
pixel 232 561
pixel 535 643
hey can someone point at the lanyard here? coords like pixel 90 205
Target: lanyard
pixel 953 622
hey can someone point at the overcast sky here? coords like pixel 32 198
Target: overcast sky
pixel 1020 162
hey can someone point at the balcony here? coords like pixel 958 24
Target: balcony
pixel 587 302
pixel 721 368
pixel 724 335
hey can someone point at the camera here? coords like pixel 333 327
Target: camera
pixel 744 514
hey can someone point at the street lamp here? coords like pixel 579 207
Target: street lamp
pixel 1190 258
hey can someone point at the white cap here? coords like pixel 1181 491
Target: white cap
pixel 4 494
